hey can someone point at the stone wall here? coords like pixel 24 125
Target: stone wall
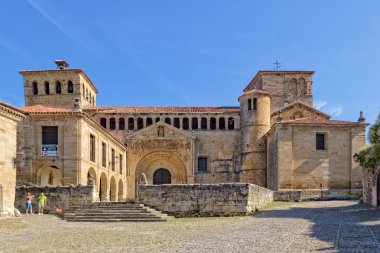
pixel 57 197
pixel 205 199
pixel 316 194
pixel 371 187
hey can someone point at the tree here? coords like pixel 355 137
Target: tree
pixel 369 156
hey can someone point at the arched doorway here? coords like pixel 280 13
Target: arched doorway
pixel 50 176
pixel 120 190
pixel 91 176
pixel 113 193
pixel 103 190
pixel 162 176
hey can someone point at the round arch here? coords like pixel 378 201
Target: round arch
pixel 120 190
pixel 103 187
pixel 113 190
pixel 49 175
pixel 162 176
pixel 91 175
pixel 161 159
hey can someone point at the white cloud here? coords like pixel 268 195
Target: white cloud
pixel 319 104
pixel 337 111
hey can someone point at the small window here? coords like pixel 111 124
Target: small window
pixel 35 88
pixel 83 91
pixel 168 121
pixel 113 159
pixel 222 123
pixel 194 123
pixel 320 141
pixel 140 123
pixel 157 119
pixel 121 163
pixel 176 122
pixel 149 121
pixel 131 123
pixel 185 123
pixel 92 148
pixel 212 123
pixel 50 135
pixel 255 104
pixel 70 87
pixel 231 124
pixel 204 123
pixel 104 154
pixel 112 123
pixel 58 87
pixel 121 124
pixel 86 94
pixel 202 164
pixel 103 122
pixel 47 88
pixel 249 104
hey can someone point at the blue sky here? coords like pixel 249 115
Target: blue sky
pixel 197 52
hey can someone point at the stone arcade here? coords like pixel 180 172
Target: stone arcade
pixel 274 138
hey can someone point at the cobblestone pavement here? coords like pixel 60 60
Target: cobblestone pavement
pixel 331 226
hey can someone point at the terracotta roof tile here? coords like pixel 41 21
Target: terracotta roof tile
pixel 320 122
pixel 41 109
pixel 162 109
pixel 12 109
pixel 302 105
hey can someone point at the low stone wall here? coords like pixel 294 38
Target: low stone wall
pixel 370 189
pixel 57 197
pixel 316 194
pixel 205 199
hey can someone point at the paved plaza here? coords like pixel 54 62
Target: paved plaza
pixel 325 226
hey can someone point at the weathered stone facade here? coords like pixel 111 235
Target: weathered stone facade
pixel 205 199
pixel 265 140
pixel 9 117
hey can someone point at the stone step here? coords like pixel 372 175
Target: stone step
pixel 111 214
pixel 110 211
pixel 116 220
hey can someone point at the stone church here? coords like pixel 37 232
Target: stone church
pixel 274 138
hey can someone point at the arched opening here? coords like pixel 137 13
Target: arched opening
pixel 194 123
pixel 35 88
pixel 120 190
pixel 302 86
pixel 255 104
pixel 298 115
pixel 249 104
pixel 103 122
pixel 91 177
pixel 121 124
pixel 112 123
pixel 162 176
pixel 131 123
pixel 113 191
pixel 231 124
pixel 185 124
pixel 212 123
pixel 176 122
pixel 293 87
pixel 70 87
pixel 204 123
pixel 58 87
pixel 222 123
pixel 140 123
pixel 168 121
pixel 47 88
pixel 103 191
pixel 157 119
pixel 149 121
pixel 50 176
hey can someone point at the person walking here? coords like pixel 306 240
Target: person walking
pixel 41 203
pixel 28 200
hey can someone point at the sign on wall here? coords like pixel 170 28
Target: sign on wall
pixel 49 150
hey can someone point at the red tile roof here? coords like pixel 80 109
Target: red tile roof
pixel 162 109
pixel 321 122
pixel 11 109
pixel 41 109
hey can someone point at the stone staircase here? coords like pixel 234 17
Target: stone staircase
pixel 114 212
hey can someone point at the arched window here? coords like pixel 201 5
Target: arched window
pixel 112 123
pixel 35 88
pixel 249 104
pixel 157 119
pixel 149 121
pixel 70 87
pixel 103 122
pixel 293 87
pixel 231 124
pixel 168 121
pixel 194 123
pixel 204 123
pixel 140 123
pixel 176 122
pixel 222 123
pixel 255 104
pixel 298 115
pixel 302 86
pixel 58 87
pixel 121 124
pixel 47 88
pixel 185 123
pixel 212 123
pixel 131 123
